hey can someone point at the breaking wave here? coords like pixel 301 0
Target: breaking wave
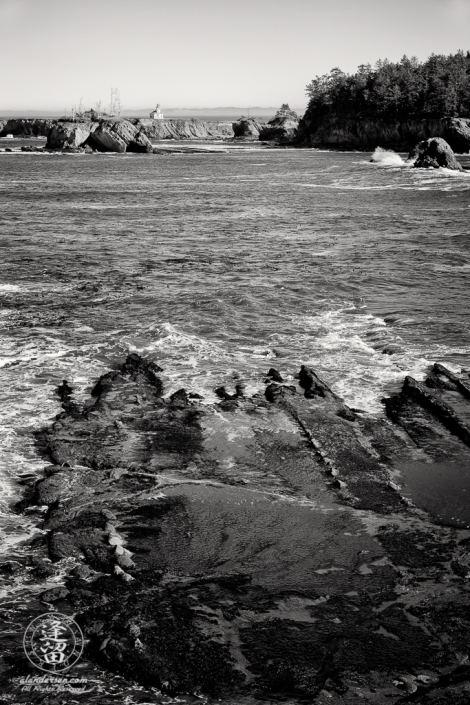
pixel 387 157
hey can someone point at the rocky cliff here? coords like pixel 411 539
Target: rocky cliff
pixel 184 129
pixel 336 131
pixel 23 126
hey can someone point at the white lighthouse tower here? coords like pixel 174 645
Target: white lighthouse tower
pixel 157 113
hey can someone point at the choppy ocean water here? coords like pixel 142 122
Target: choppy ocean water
pixel 219 266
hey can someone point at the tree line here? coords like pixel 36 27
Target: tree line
pixel 437 87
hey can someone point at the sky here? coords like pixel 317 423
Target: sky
pixel 207 53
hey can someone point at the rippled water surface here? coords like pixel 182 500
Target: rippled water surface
pixel 222 265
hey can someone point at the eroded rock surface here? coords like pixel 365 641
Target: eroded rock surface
pixel 258 549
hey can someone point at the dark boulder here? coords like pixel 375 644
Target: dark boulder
pixel 433 154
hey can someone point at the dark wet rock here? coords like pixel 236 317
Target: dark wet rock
pixel 442 378
pixel 274 374
pixel 54 594
pixel 223 394
pixel 246 127
pixel 41 568
pixel 258 548
pixel 434 153
pixel 10 567
pixel 64 391
pixel 392 349
pixel 417 398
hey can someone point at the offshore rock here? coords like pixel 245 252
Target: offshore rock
pixel 246 127
pixel 282 129
pixel 104 136
pixel 258 550
pixel 433 154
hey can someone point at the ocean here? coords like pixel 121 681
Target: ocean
pixel 219 266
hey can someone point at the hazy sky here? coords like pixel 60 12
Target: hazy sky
pixel 207 53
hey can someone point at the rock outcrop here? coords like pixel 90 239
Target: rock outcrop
pixel 258 549
pixel 120 136
pixel 246 127
pixel 104 136
pixel 346 132
pixel 433 154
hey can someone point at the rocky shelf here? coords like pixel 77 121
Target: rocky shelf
pixel 260 549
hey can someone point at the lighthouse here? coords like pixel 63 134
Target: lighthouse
pixel 157 113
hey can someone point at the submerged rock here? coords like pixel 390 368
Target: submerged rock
pixel 433 154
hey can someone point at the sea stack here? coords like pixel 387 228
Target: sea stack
pixel 433 154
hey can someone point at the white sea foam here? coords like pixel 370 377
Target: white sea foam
pixel 345 346
pixel 387 157
pixel 10 287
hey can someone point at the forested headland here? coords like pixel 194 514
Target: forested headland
pixel 387 95
pixel 437 87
